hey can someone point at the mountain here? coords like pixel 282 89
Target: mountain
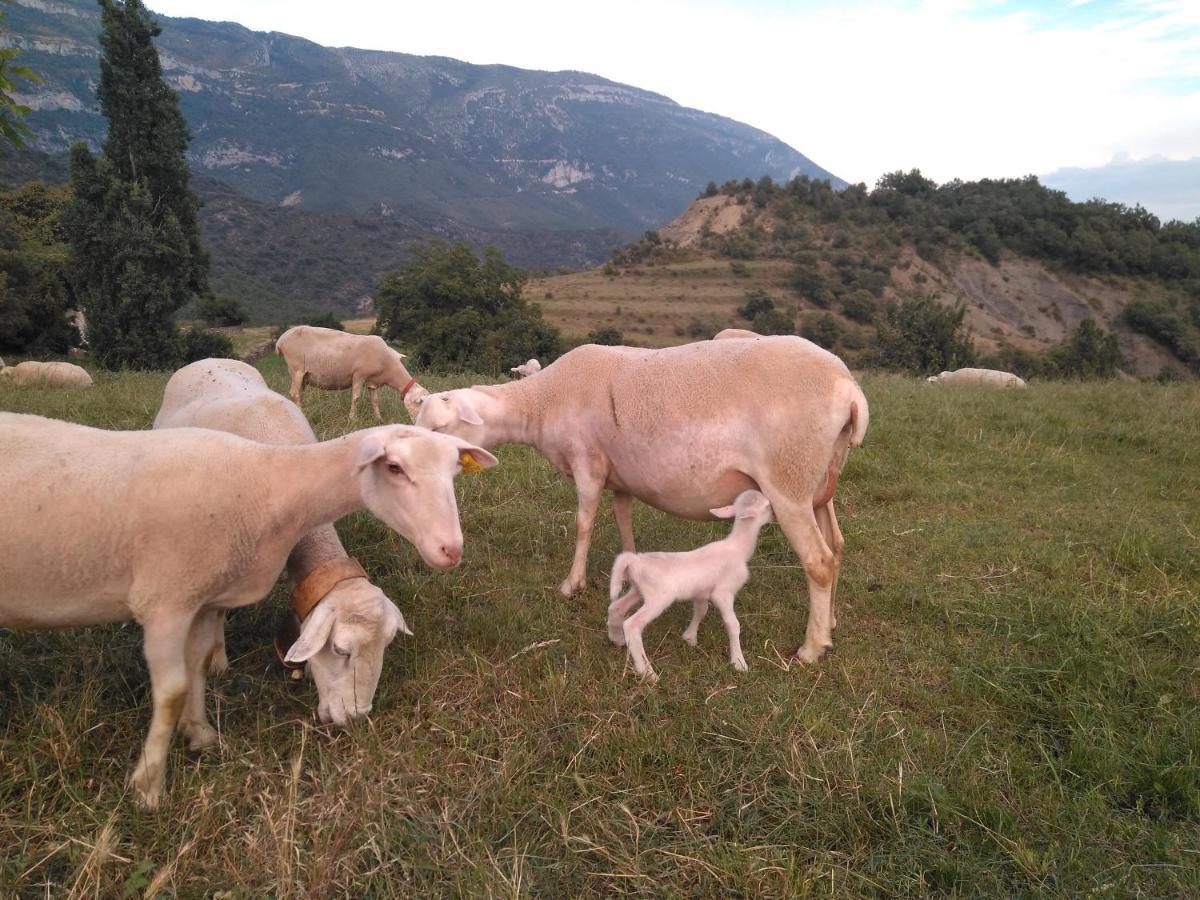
pixel 291 123
pixel 834 260
pixel 1169 188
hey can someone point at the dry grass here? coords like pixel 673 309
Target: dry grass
pixel 1010 710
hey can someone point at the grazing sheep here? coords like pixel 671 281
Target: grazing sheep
pixel 171 527
pixel 714 572
pixel 686 429
pixel 47 374
pixel 344 622
pixel 335 360
pixel 989 377
pixel 526 369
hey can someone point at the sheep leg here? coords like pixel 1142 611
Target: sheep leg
pixel 827 520
pixel 623 510
pixel 588 487
pixel 616 615
pixel 733 628
pixel 219 661
pixel 374 391
pixel 202 640
pixel 699 611
pixel 166 638
pixel 652 608
pixel 355 393
pixel 296 391
pixel 799 523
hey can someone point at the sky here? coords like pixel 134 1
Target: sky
pixel 958 88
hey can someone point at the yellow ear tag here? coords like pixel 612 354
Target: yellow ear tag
pixel 469 466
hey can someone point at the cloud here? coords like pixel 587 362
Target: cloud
pixel 1169 188
pixel 956 88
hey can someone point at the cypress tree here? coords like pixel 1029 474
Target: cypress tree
pixel 133 224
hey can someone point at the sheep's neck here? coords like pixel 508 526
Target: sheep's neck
pixel 314 484
pixel 511 412
pixel 744 536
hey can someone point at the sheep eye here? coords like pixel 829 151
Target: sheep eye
pixel 341 652
pixel 394 468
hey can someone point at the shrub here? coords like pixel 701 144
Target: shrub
pixel 196 343
pixel 1089 352
pixel 609 336
pixel 222 310
pixel 823 329
pixel 1158 321
pixel 860 307
pixel 774 321
pixel 808 282
pixel 739 268
pixel 923 337
pixel 757 302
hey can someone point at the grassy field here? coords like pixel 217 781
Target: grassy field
pixel 1011 707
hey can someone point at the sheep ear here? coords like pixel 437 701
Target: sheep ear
pixel 467 412
pixel 369 449
pixel 401 625
pixel 723 512
pixel 313 635
pixel 481 457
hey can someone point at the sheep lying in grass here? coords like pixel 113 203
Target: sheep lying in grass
pixel 988 377
pixel 527 368
pixel 339 624
pixel 686 429
pixel 335 360
pixel 712 573
pixel 172 527
pixel 49 374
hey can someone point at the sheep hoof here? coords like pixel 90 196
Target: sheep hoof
pixel 570 588
pixel 616 634
pixel 200 735
pixel 739 664
pixel 690 639
pixel 810 654
pixel 219 664
pixel 147 781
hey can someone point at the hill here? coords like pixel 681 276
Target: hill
pixel 1027 264
pixel 289 122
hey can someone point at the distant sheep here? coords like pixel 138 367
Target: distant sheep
pixel 335 360
pixel 49 374
pixel 172 527
pixel 989 377
pixel 727 333
pixel 527 368
pixel 714 572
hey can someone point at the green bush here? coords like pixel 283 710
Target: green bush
pixel 221 310
pixel 757 302
pixel 1158 321
pixel 860 307
pixel 774 321
pixel 823 329
pixel 608 336
pixel 1089 352
pixel 195 344
pixel 923 337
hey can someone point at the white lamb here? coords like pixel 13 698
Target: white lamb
pixel 49 374
pixel 714 572
pixel 339 624
pixel 336 360
pixel 170 528
pixel 527 368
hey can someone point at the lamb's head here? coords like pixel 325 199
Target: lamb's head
pixel 406 475
pixel 342 642
pixel 937 379
pixel 748 505
pixel 453 412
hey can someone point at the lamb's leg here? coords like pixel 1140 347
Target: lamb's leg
pixel 202 639
pixel 652 608
pixel 827 520
pixel 589 484
pixel 616 615
pixel 623 510
pixel 296 391
pixel 219 661
pixel 733 628
pixel 691 634
pixel 799 523
pixel 374 391
pixel 166 638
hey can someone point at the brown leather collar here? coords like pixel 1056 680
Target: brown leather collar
pixel 408 387
pixel 312 589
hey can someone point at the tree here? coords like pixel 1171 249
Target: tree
pixel 1089 352
pixel 221 310
pixel 12 128
pixel 757 301
pixel 133 225
pixel 923 337
pixel 774 321
pixel 452 310
pixel 609 336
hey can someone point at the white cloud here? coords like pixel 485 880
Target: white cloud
pixel 959 89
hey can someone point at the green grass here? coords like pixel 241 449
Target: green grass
pixel 1010 708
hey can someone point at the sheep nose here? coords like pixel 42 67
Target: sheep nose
pixel 452 553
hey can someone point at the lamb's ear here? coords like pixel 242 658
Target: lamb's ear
pixel 313 635
pixel 369 449
pixel 723 512
pixel 481 457
pixel 466 410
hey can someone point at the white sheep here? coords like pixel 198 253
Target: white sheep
pixel 728 333
pixel 712 573
pixel 988 377
pixel 686 429
pixel 336 360
pixel 527 368
pixel 172 527
pixel 353 621
pixel 48 374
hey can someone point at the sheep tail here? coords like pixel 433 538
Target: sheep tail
pixel 623 561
